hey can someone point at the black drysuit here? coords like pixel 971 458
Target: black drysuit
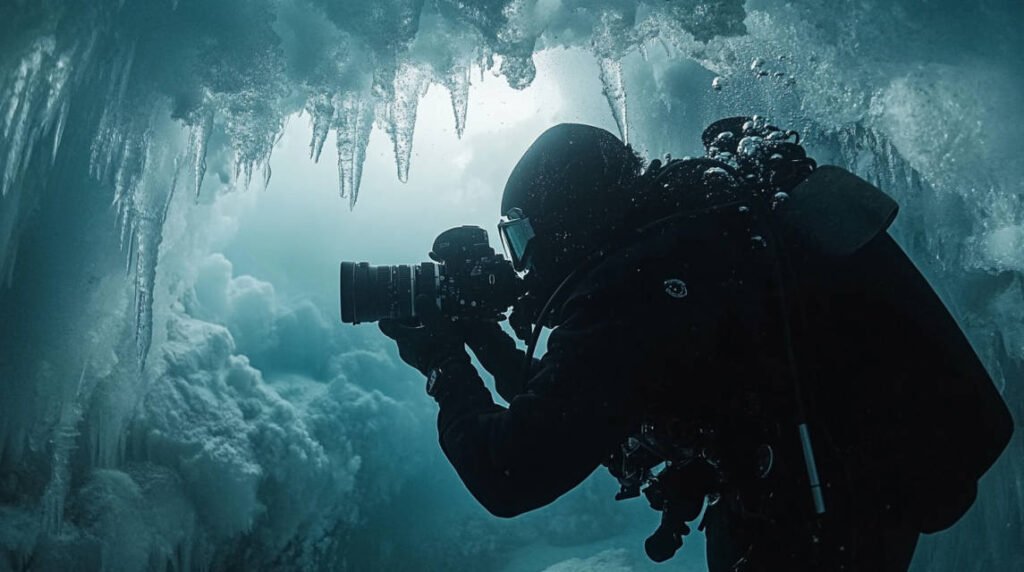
pixel 712 317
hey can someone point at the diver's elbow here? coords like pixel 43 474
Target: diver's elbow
pixel 501 510
pixel 506 511
pixel 505 505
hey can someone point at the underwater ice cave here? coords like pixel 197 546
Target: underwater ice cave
pixel 180 179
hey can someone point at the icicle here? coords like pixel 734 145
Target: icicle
pixel 411 83
pixel 485 60
pixel 144 279
pixel 131 201
pixel 58 132
pixel 18 97
pixel 109 138
pixel 99 145
pixel 199 140
pixel 179 164
pixel 57 80
pixel 254 144
pixel 18 121
pixel 267 172
pixel 65 435
pixel 120 186
pixel 353 123
pixel 243 169
pixel 129 247
pixel 665 47
pixel 321 112
pixel 457 83
pixel 615 92
pixel 23 84
pixel 33 102
pixel 247 168
pixel 150 222
pixel 124 180
pixel 122 217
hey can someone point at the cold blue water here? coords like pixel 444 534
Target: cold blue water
pixel 180 179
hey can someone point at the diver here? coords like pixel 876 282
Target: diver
pixel 735 335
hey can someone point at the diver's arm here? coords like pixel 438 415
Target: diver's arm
pixel 499 355
pixel 550 438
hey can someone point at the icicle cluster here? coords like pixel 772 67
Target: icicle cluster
pixel 33 105
pixel 233 73
pixel 249 97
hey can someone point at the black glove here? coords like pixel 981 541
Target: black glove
pixel 430 344
pixel 499 355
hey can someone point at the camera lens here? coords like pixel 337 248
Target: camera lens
pixel 470 282
pixel 371 293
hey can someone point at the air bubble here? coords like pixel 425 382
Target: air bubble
pixel 715 173
pixel 779 199
pixel 749 146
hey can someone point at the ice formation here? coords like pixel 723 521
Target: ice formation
pixel 238 69
pixel 125 410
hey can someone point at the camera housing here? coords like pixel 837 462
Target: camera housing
pixel 468 280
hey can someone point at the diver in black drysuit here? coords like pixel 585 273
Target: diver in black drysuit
pixel 751 326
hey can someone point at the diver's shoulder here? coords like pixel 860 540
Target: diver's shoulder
pixel 656 266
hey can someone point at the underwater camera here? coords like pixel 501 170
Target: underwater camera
pixel 467 279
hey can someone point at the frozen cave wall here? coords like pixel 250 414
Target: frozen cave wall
pixel 137 430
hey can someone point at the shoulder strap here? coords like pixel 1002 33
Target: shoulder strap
pixel 835 213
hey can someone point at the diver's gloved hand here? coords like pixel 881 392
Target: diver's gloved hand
pixel 498 354
pixel 435 341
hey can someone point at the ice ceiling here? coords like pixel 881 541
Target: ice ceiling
pixel 135 102
pixel 242 67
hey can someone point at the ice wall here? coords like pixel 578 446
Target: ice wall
pixel 138 393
